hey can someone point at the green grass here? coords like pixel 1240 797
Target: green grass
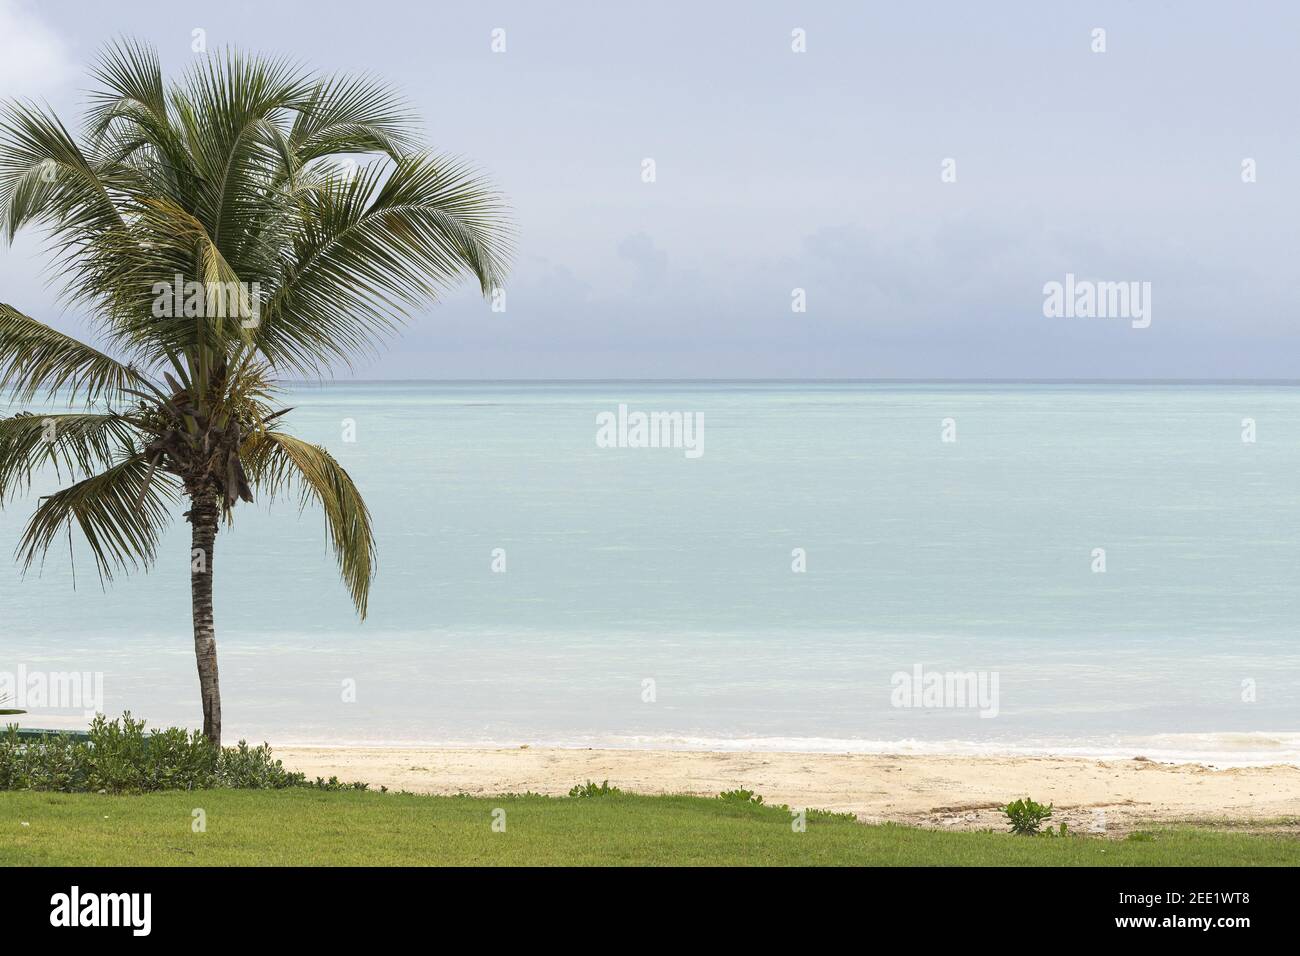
pixel 304 827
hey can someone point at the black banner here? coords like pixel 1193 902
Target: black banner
pixel 340 905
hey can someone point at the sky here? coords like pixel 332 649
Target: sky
pixel 828 170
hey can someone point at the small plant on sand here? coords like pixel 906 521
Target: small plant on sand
pixel 812 813
pixel 1026 816
pixel 593 789
pixel 740 795
pixel 335 785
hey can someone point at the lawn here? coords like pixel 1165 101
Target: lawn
pixel 305 827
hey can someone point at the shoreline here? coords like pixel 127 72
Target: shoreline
pixel 1218 750
pixel 960 792
pixel 1162 748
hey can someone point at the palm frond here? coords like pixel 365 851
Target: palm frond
pixel 374 249
pixel 238 103
pixel 36 358
pixel 46 176
pixel 351 114
pixel 121 513
pixel 74 444
pixel 276 462
pixel 176 243
pixel 131 85
pixel 129 121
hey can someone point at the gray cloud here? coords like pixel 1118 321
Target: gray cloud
pixel 821 171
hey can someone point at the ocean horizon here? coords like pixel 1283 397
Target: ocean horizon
pixel 1111 565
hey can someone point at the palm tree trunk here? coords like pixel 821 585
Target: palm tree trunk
pixel 203 522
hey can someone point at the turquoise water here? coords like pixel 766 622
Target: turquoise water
pixel 627 565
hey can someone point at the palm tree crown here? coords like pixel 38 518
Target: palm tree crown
pixel 251 221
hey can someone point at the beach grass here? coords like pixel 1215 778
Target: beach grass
pixel 310 827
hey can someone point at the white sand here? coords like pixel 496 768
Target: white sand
pixel 940 791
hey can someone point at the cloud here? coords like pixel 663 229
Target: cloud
pixel 650 261
pixel 34 59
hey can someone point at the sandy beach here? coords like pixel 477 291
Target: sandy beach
pixel 954 792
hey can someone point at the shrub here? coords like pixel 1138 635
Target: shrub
pixel 740 795
pixel 591 789
pixel 334 785
pixel 812 813
pixel 1026 816
pixel 120 757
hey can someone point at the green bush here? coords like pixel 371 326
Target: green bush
pixel 335 785
pixel 740 795
pixel 120 757
pixel 592 789
pixel 812 813
pixel 1026 816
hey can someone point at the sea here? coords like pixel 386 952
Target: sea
pixel 1106 570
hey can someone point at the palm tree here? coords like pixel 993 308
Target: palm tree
pixel 237 188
